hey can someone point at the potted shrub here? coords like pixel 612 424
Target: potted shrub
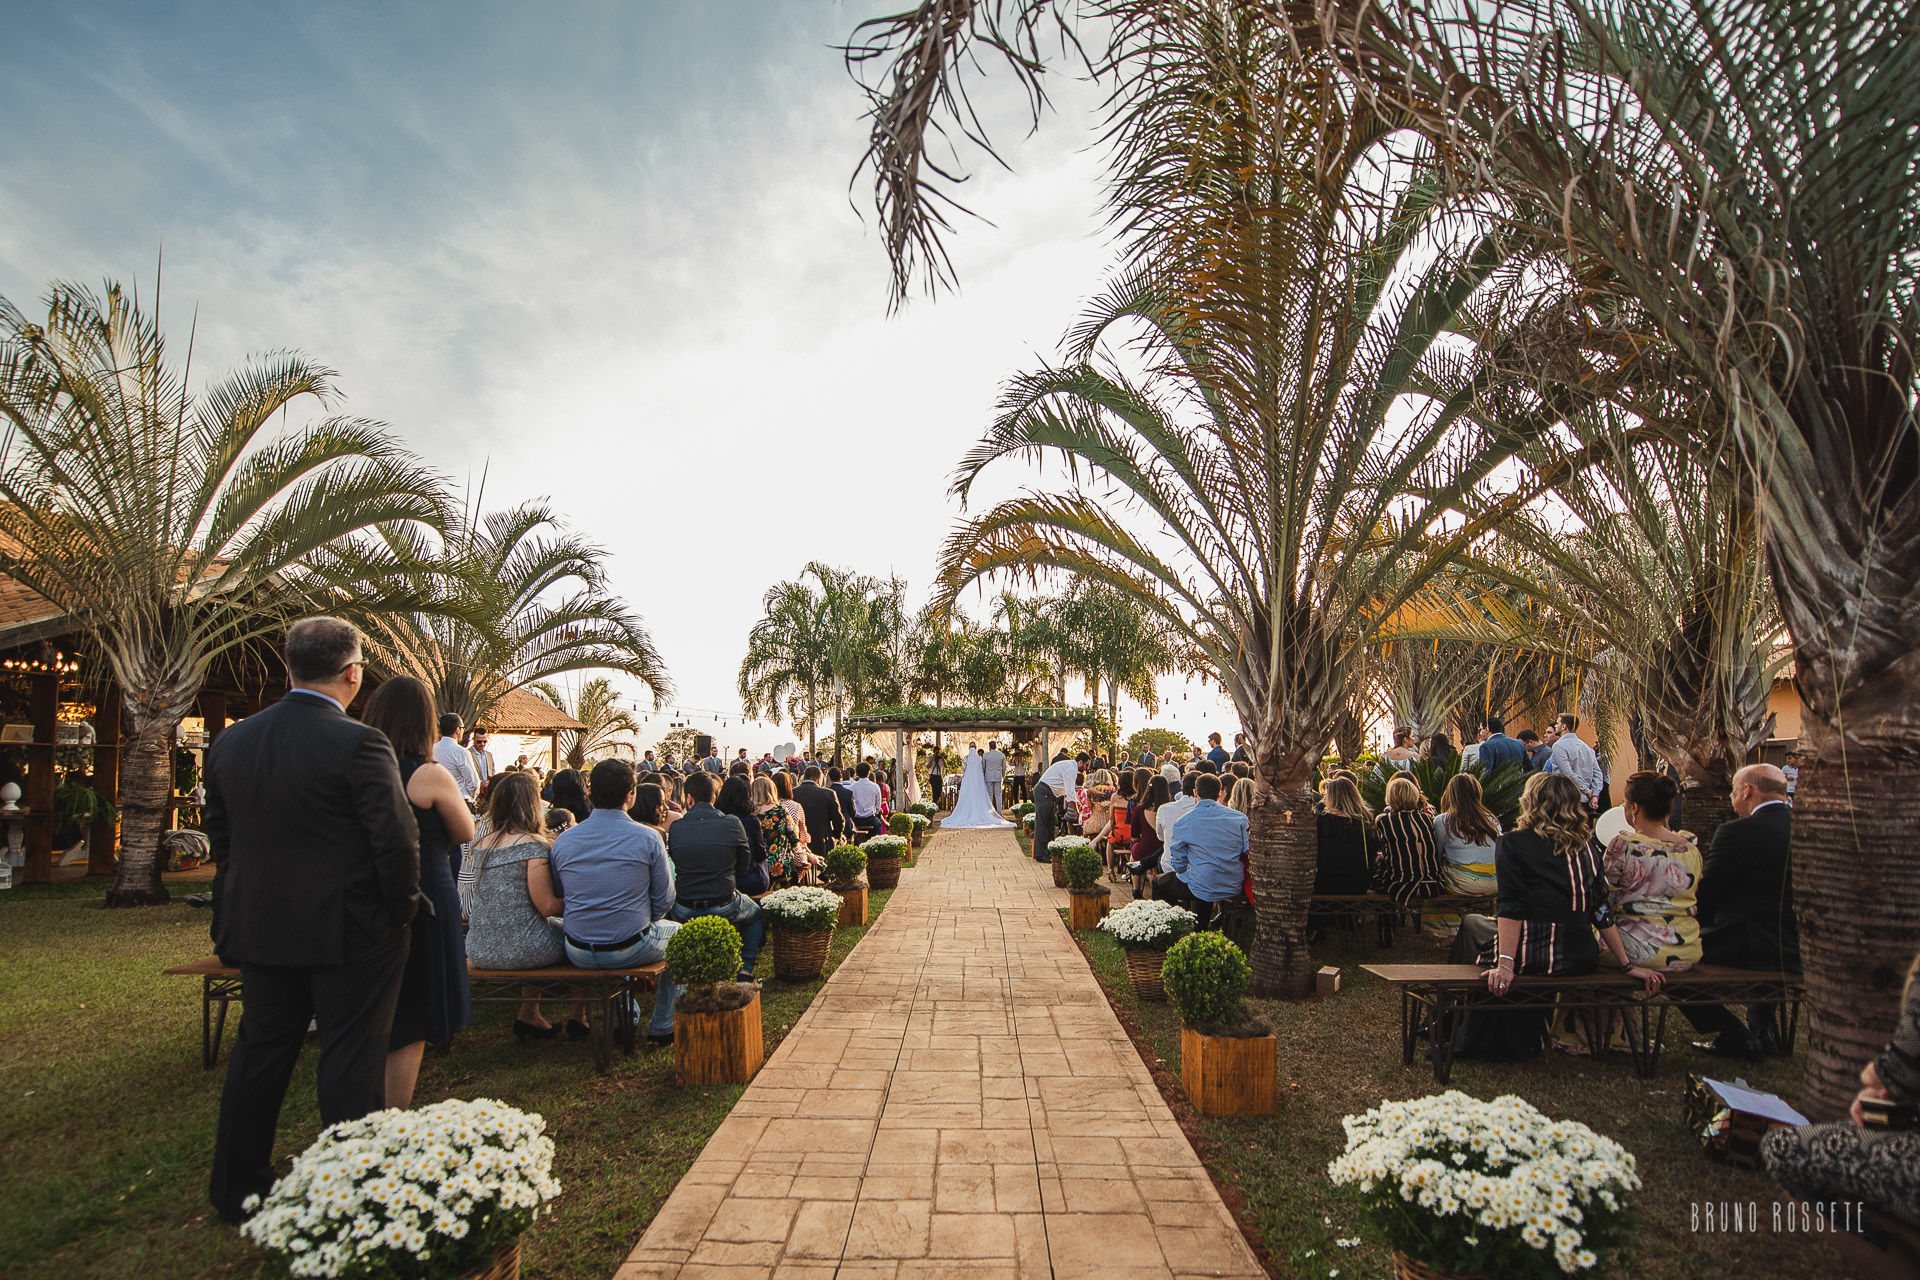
pixel 801 920
pixel 1081 864
pixel 925 808
pixel 1462 1187
pixel 901 824
pixel 1145 930
pixel 1229 1062
pixel 845 864
pixel 391 1167
pixel 1056 852
pixel 1023 810
pixel 884 856
pixel 716 1021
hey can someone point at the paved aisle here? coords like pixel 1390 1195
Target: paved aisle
pixel 958 1100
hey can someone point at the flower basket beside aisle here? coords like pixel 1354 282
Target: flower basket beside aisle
pixel 1145 930
pixel 445 1191
pixel 885 855
pixel 801 920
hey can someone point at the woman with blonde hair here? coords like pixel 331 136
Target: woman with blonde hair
pixel 1242 797
pixel 1466 831
pixel 1348 841
pixel 788 861
pixel 512 900
pixel 1409 864
pixel 1553 896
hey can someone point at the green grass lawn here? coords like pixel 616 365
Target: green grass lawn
pixel 108 1120
pixel 1341 1055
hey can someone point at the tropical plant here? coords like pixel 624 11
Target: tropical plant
pixel 825 642
pixel 178 530
pixel 1115 646
pixel 608 724
pixel 1742 179
pixel 1499 791
pixel 704 951
pixel 1206 979
pixel 524 601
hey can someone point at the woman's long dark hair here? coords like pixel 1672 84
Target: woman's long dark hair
pixel 1159 792
pixel 570 793
pixel 402 709
pixel 646 805
pixel 736 797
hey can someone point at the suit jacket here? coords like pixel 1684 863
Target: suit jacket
pixel 1745 896
pixel 994 765
pixel 1500 750
pixel 710 854
pixel 844 794
pixel 315 848
pixel 825 824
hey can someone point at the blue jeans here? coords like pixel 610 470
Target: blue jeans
pixel 745 915
pixel 651 947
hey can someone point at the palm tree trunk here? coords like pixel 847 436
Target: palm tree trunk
pixel 1705 803
pixel 1284 855
pixel 839 720
pixel 146 785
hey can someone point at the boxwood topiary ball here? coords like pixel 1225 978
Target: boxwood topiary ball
pixel 1081 864
pixel 703 951
pixel 845 862
pixel 1206 977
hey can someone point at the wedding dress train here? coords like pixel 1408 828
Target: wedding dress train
pixel 975 807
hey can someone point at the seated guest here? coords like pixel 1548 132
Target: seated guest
pixel 557 820
pixel 612 873
pixel 1408 866
pixel 838 782
pixel 1346 838
pixel 826 824
pixel 649 809
pixel 1439 749
pixel 867 799
pixel 1552 898
pixel 513 911
pixel 736 800
pixel 1203 859
pixel 1745 903
pixel 711 855
pixel 788 860
pixel 1466 830
pixel 570 793
pixel 1153 793
pixel 1118 833
pixel 1850 1161
pixel 1184 798
pixel 1651 872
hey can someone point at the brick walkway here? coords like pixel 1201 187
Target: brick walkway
pixel 958 1100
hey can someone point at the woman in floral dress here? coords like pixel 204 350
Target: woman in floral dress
pixel 1652 871
pixel 787 862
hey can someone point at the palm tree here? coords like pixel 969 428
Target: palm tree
pixel 829 641
pixel 597 707
pixel 521 601
pixel 785 667
pixel 1115 646
pixel 1744 177
pixel 174 528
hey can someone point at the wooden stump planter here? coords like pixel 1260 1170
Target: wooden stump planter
pixel 503 1265
pixel 800 955
pixel 853 904
pixel 718 1048
pixel 1228 1075
pixel 883 873
pixel 1143 970
pixel 1086 907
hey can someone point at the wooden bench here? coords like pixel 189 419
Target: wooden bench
pixel 1437 996
pixel 1348 909
pixel 220 987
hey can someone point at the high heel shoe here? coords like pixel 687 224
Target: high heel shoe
pixel 523 1030
pixel 577 1030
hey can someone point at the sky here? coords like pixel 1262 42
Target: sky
pixel 606 254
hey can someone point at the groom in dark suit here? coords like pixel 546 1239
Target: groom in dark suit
pixel 317 873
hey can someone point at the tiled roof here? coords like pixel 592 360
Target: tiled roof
pixel 21 605
pixel 524 711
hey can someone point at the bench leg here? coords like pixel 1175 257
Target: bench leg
pixel 603 1030
pixel 1409 1024
pixel 209 1047
pixel 1657 1040
pixel 1446 1019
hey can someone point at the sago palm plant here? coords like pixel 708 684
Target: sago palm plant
pixel 176 527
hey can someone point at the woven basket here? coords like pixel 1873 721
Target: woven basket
pixel 800 955
pixel 883 873
pixel 1143 970
pixel 1059 873
pixel 504 1265
pixel 1405 1268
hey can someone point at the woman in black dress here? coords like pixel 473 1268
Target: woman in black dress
pixel 1553 896
pixel 433 993
pixel 1347 840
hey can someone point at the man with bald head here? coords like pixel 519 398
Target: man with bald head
pixel 1745 902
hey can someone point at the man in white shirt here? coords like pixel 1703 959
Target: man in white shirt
pixel 1575 759
pixel 866 799
pixel 1169 813
pixel 1051 791
pixel 482 758
pixel 454 758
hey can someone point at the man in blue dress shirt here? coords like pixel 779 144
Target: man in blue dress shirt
pixel 1204 853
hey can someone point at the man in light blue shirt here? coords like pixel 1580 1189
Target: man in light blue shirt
pixel 1204 854
pixel 612 874
pixel 1575 759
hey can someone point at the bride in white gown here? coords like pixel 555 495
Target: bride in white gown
pixel 975 806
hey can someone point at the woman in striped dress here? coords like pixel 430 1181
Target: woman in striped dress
pixel 1553 896
pixel 1408 867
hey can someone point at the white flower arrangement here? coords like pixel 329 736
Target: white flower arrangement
pixel 920 821
pixel 1060 844
pixel 1495 1187
pixel 1147 925
pixel 1026 820
pixel 432 1192
pixel 801 907
pixel 925 808
pixel 886 847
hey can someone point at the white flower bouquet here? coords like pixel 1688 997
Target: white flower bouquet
pixel 1491 1188
pixel 801 907
pixel 417 1194
pixel 1149 926
pixel 920 821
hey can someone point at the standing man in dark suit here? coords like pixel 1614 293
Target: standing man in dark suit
pixel 1745 901
pixel 825 824
pixel 836 783
pixel 317 874
pixel 1497 749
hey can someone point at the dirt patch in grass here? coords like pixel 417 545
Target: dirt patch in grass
pixel 1341 1055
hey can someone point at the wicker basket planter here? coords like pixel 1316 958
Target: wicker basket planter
pixel 1405 1268
pixel 1087 906
pixel 504 1265
pixel 883 873
pixel 853 904
pixel 1059 873
pixel 1230 1075
pixel 718 1048
pixel 1143 970
pixel 800 955
pixel 916 837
